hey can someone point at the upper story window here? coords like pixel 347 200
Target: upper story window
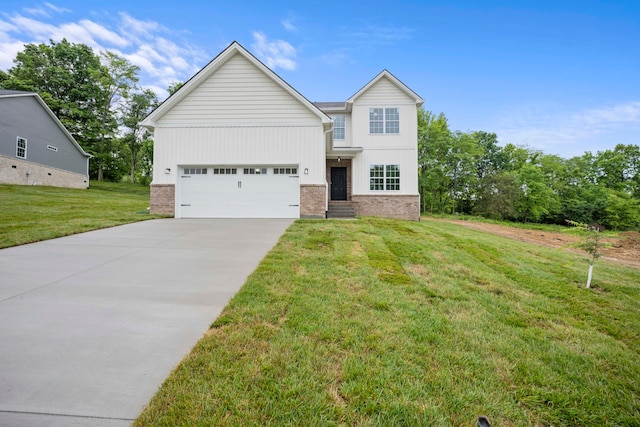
pixel 339 126
pixel 21 148
pixel 384 120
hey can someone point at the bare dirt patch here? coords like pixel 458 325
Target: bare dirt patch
pixel 624 249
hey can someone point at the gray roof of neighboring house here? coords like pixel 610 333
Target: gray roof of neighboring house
pixel 13 92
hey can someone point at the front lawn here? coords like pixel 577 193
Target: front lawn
pixel 382 322
pixel 33 213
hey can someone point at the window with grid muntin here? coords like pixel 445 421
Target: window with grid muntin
pixel 384 120
pixel 384 177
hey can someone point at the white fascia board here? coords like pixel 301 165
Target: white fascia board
pixel 404 88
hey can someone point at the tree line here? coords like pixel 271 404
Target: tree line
pixel 469 173
pixel 97 98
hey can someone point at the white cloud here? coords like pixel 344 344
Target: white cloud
pixel 276 53
pixel 36 11
pixel 336 57
pixel 57 9
pixel 132 26
pixel 146 44
pixel 572 133
pixel 288 25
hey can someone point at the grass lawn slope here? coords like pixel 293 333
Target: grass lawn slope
pixel 383 323
pixel 33 213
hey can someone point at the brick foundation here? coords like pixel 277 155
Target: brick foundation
pixel 163 199
pixel 312 200
pixel 14 171
pixel 388 206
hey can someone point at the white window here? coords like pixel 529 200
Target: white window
pixel 225 171
pixel 255 171
pixel 384 120
pixel 376 177
pixel 195 171
pixel 285 171
pixel 392 177
pixel 21 148
pixel 384 177
pixel 339 126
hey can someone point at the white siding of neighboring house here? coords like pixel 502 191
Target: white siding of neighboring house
pixel 238 93
pixel 385 149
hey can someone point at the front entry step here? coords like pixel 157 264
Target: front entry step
pixel 341 210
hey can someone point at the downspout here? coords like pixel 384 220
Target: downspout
pixel 326 186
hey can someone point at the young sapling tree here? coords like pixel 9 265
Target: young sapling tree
pixel 591 244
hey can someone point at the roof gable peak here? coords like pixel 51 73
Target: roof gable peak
pixel 385 74
pixel 208 70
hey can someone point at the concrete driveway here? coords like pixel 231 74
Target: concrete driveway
pixel 91 324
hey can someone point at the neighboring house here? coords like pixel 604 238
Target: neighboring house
pixel 236 141
pixel 35 148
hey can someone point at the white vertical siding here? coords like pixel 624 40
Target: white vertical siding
pixel 384 91
pixel 302 146
pixel 406 158
pixel 237 93
pixel 385 149
pixel 348 135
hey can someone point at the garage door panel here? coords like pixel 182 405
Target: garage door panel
pixel 240 195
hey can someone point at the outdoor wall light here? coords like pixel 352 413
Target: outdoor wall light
pixel 306 171
pixel 339 159
pixel 167 170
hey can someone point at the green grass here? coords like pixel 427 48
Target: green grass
pixel 524 225
pixel 33 213
pixel 384 323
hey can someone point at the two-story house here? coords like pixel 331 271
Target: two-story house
pixel 35 148
pixel 237 141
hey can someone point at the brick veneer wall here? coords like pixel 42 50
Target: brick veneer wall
pixel 163 199
pixel 312 200
pixel 391 206
pixel 14 171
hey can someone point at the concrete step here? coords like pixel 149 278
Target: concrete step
pixel 341 210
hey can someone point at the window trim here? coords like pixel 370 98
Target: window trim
pixel 380 175
pixel 20 139
pixel 384 123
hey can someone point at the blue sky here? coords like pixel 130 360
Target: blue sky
pixel 559 76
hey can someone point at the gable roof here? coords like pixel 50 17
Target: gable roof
pixel 19 93
pixel 386 74
pixel 209 69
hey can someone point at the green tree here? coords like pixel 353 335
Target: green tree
pixel 67 76
pixel 498 196
pixel 173 87
pixel 117 84
pixel 538 199
pixel 137 138
pixel 434 142
pixel 461 160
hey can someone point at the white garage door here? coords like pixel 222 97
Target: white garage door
pixel 239 192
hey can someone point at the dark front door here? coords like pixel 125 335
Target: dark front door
pixel 338 183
